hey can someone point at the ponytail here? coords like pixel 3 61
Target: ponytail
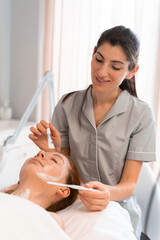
pixel 129 85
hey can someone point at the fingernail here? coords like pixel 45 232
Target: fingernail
pixel 87 184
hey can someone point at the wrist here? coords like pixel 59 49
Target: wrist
pixel 58 149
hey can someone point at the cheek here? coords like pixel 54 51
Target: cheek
pixel 93 65
pixel 27 172
pixel 91 68
pixel 23 169
pixel 119 76
pixel 55 171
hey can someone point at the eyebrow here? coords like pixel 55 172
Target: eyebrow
pixel 113 61
pixel 100 54
pixel 116 61
pixel 58 155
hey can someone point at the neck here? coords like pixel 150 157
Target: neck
pixel 103 98
pixel 35 195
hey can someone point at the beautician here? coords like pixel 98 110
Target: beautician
pixel 106 129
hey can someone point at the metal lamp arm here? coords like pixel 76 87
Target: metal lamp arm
pixel 48 77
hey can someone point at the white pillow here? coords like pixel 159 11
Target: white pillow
pixel 113 223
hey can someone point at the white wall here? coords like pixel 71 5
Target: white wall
pixel 23 47
pixel 5 23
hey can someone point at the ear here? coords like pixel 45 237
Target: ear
pixel 63 192
pixel 133 72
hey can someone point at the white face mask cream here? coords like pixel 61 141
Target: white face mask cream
pixel 25 194
pixel 54 180
pixel 46 177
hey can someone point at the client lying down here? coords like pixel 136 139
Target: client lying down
pixel 23 219
pixel 32 184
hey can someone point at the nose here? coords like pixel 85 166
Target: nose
pixel 41 154
pixel 103 71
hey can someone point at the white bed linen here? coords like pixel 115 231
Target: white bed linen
pixel 21 219
pixel 113 223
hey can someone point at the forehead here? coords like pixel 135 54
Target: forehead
pixel 116 52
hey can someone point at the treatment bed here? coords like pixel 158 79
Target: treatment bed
pixel 22 219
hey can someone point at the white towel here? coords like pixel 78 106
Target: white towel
pixel 20 219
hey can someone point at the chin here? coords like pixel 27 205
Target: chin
pixel 100 88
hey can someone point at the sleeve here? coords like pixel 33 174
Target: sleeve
pixel 142 142
pixel 59 120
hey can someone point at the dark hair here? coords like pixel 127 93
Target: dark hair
pixel 125 38
pixel 128 41
pixel 72 178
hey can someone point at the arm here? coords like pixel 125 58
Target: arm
pixel 128 182
pixel 121 191
pixel 141 147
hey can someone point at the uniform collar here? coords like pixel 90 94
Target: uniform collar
pixel 120 106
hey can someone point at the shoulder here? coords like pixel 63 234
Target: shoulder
pixel 58 219
pixel 139 107
pixel 73 95
pixel 76 98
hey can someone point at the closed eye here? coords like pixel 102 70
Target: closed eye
pixel 54 160
pixel 98 60
pixel 116 68
pixel 57 158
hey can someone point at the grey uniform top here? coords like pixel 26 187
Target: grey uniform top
pixel 126 132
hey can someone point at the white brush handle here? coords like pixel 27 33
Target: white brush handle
pixel 50 143
pixel 73 186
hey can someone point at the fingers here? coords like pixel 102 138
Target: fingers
pixel 103 191
pixel 32 137
pixel 95 201
pixel 39 136
pixel 54 132
pixel 55 138
pixel 40 128
pixel 44 124
pixel 95 205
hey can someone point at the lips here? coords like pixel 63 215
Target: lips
pixel 101 81
pixel 37 161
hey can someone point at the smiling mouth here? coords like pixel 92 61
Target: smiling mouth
pixel 102 81
pixel 36 160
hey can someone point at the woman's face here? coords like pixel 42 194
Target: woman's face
pixel 52 166
pixel 109 67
